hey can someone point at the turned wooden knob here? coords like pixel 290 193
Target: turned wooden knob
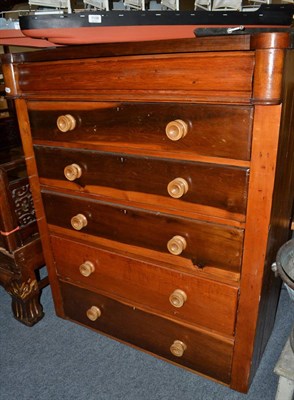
pixel 94 313
pixel 87 268
pixel 78 222
pixel 177 188
pixel 178 298
pixel 178 348
pixel 176 245
pixel 72 172
pixel 176 130
pixel 66 123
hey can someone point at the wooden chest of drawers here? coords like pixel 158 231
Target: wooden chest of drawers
pixel 162 176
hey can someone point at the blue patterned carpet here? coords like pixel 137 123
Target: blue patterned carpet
pixel 59 360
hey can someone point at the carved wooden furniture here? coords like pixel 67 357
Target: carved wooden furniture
pixel 20 246
pixel 162 192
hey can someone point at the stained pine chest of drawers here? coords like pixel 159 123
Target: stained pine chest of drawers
pixel 162 174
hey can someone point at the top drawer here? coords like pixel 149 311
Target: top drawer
pixel 207 76
pixel 181 129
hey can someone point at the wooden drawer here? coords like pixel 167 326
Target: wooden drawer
pixel 182 296
pixel 212 130
pixel 206 243
pixel 190 186
pixel 206 353
pixel 162 76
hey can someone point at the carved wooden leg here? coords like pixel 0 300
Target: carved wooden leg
pixel 26 305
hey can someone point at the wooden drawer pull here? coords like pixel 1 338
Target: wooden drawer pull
pixel 66 123
pixel 78 222
pixel 176 130
pixel 176 245
pixel 87 268
pixel 178 348
pixel 94 313
pixel 177 188
pixel 72 172
pixel 178 298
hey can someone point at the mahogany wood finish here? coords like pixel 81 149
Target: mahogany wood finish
pixel 125 278
pixel 125 257
pixel 207 244
pixel 208 353
pixel 149 176
pixel 116 77
pixel 213 130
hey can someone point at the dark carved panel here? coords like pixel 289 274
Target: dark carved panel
pixel 23 204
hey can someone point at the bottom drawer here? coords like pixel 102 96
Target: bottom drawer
pixel 206 353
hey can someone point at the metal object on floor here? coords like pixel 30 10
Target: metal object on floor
pixel 284 267
pixel 285 369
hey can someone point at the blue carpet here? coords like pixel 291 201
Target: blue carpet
pixel 59 360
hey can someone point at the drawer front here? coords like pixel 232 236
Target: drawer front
pixel 185 297
pixel 205 353
pixel 203 243
pixel 230 76
pixel 221 188
pixel 211 130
